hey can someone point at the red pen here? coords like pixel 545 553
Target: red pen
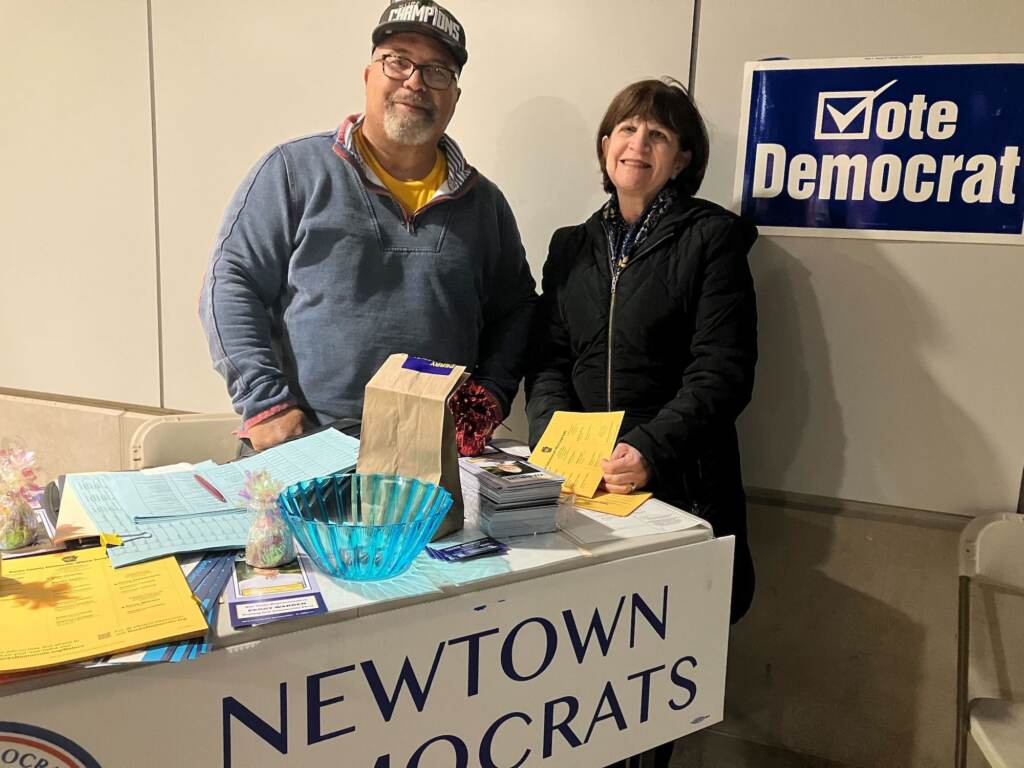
pixel 208 486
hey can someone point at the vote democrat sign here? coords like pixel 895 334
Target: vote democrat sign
pixel 914 148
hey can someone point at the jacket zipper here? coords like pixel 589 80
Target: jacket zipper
pixel 411 220
pixel 611 302
pixel 611 314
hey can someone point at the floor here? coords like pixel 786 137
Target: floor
pixel 708 749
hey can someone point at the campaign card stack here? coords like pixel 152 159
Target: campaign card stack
pixel 468 550
pixel 515 497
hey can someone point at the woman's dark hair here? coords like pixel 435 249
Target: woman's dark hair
pixel 667 102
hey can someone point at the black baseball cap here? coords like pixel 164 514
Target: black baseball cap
pixel 423 17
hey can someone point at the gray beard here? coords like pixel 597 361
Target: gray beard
pixel 409 129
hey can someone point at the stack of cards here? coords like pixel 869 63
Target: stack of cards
pixel 467 550
pixel 516 498
pixel 262 595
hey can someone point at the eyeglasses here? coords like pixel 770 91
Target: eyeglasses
pixel 400 68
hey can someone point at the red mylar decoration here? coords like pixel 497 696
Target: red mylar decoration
pixel 477 414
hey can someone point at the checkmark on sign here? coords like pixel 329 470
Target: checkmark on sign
pixel 849 113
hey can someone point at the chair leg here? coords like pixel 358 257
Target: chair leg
pixel 963 653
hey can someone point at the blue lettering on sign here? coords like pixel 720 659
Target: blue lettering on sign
pixel 550 645
pixel 645 689
pixel 563 726
pixel 487 742
pixel 557 725
pixel 902 147
pixel 683 682
pixel 614 711
pixel 473 662
pixel 458 746
pixel 406 679
pixel 422 365
pixel 314 704
pixel 275 737
pixel 595 628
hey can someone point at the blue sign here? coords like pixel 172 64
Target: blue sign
pixel 924 148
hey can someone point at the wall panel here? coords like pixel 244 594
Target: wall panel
pixel 233 79
pixel 78 294
pixel 889 370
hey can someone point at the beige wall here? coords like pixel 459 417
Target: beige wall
pixel 526 117
pixel 128 125
pixel 885 373
pixel 78 270
pixel 68 437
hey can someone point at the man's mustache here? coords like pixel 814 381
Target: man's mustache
pixel 414 100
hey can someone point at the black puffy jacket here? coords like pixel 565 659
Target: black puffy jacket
pixel 672 342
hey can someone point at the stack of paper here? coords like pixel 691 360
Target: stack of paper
pixel 70 606
pixel 262 595
pixel 515 498
pixel 209 487
pixel 206 578
pixel 651 518
pixel 170 513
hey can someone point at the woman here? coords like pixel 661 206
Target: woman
pixel 648 307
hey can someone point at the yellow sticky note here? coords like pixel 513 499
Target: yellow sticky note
pixel 70 606
pixel 618 504
pixel 573 446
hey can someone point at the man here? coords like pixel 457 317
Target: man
pixel 342 248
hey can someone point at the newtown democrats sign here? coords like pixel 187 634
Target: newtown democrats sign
pixel 914 148
pixel 580 668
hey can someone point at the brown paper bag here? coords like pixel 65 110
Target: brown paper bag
pixel 409 430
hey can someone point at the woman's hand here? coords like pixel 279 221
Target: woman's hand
pixel 626 471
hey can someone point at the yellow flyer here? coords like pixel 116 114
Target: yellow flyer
pixel 573 446
pixel 70 606
pixel 618 504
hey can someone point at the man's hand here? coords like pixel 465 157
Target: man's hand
pixel 276 429
pixel 626 471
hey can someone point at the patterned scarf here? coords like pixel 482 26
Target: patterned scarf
pixel 624 239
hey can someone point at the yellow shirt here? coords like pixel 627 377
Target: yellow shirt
pixel 413 194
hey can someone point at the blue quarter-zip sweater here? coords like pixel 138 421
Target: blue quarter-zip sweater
pixel 318 274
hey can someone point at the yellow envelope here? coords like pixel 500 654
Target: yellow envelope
pixel 618 504
pixel 573 446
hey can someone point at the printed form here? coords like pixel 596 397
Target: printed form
pixel 179 494
pixel 168 513
pixel 573 446
pixel 70 606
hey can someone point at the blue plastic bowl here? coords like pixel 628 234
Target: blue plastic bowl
pixel 363 527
